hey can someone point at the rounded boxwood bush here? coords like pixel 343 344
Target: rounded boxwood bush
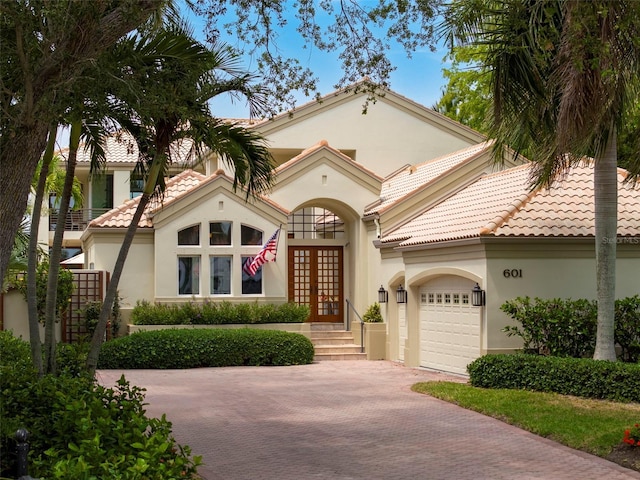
pixel 192 348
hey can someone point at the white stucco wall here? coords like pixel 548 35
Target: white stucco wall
pixel 549 270
pixel 385 139
pixel 121 185
pixel 219 206
pixel 16 317
pixel 545 269
pixel 137 280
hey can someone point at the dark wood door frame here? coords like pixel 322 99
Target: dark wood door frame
pixel 316 280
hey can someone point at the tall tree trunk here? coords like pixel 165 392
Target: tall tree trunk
pixel 112 290
pixel 18 160
pixel 55 256
pixel 606 222
pixel 32 261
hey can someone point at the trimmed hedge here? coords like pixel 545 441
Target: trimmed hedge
pixel 217 313
pixel 582 377
pixel 178 348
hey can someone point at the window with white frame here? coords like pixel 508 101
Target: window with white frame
pixel 221 271
pixel 189 275
pixel 228 250
pixel 250 235
pixel 220 233
pixel 189 236
pixel 251 284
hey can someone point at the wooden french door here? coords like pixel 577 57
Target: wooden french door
pixel 315 279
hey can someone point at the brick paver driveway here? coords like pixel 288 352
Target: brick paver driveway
pixel 345 420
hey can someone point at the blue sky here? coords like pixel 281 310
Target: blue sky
pixel 418 78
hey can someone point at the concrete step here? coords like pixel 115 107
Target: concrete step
pixel 341 340
pixel 336 349
pixel 318 357
pixel 331 337
pixel 332 342
pixel 339 356
pixel 324 326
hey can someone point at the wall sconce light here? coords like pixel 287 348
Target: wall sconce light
pixel 478 298
pixel 383 295
pixel 401 295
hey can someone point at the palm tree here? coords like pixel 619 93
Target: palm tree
pixel 183 87
pixel 563 74
pixel 46 48
pixel 41 179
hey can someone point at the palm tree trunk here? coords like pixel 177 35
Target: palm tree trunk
pixel 32 261
pixel 112 290
pixel 606 222
pixel 56 252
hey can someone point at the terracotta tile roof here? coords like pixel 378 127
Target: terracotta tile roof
pixel 121 216
pixel 177 187
pixel 121 148
pixel 567 209
pixel 501 204
pixel 414 177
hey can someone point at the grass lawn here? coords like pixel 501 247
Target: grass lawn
pixel 593 426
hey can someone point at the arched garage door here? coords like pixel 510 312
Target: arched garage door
pixel 449 325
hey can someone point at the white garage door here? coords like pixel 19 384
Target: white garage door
pixel 449 325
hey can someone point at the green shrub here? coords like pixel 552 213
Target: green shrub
pixel 563 328
pixel 192 348
pixel 373 315
pixel 627 328
pixel 581 377
pixel 145 313
pixel 64 284
pixel 71 358
pixel 217 313
pixel 567 328
pixel 79 429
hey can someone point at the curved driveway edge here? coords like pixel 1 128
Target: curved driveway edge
pixel 346 420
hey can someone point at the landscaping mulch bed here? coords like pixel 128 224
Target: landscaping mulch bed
pixel 626 456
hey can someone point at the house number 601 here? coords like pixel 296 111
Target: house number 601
pixel 513 273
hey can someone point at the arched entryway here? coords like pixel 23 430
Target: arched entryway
pixel 316 238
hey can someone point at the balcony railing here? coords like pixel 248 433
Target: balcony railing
pixel 77 220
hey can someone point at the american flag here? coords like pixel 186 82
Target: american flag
pixel 266 254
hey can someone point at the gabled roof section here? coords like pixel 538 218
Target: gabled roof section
pixel 219 178
pixel 354 94
pixel 502 205
pixel 323 145
pixel 308 159
pixel 121 216
pixel 415 177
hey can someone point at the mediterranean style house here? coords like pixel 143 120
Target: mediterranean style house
pixel 400 204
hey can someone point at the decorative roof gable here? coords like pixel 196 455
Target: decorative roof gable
pixel 288 171
pixel 408 180
pixel 353 93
